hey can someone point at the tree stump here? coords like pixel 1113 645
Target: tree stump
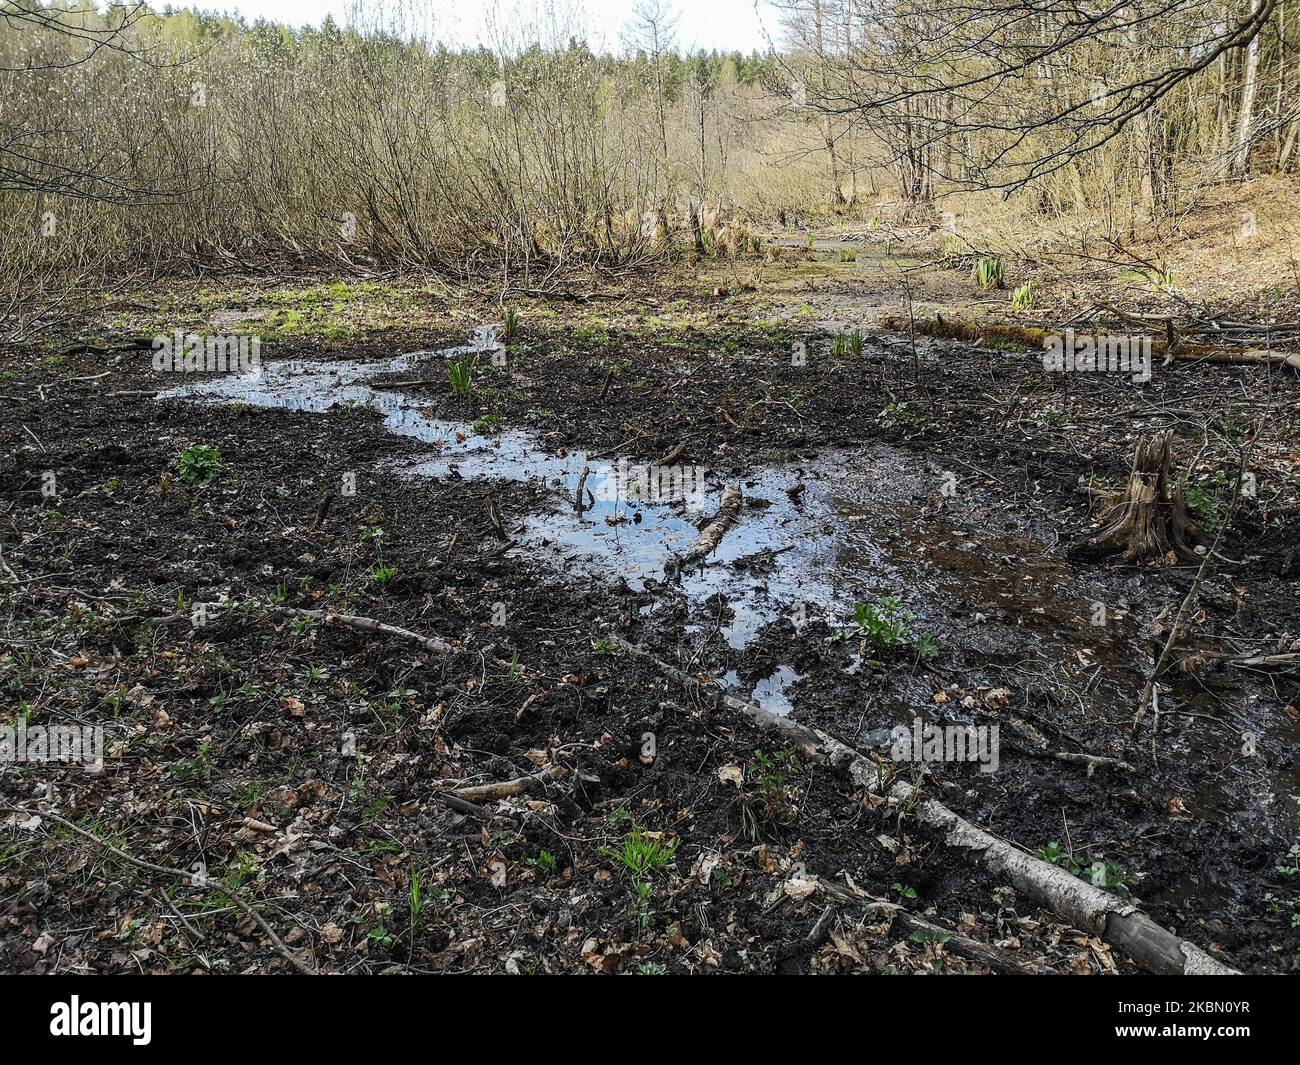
pixel 1149 518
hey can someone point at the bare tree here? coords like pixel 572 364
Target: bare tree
pixel 983 82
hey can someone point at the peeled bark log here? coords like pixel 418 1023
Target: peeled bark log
pixel 711 535
pixel 1149 519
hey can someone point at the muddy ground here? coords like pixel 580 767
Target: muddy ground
pixel 303 769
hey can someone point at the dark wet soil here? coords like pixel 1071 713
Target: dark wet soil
pixel 941 474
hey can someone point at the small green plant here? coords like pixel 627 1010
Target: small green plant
pixel 927 647
pixel 376 807
pixel 904 892
pixel 1103 873
pixel 988 272
pixel 848 255
pixel 847 343
pixel 241 870
pixel 460 372
pixel 114 701
pixel 1053 417
pixel 641 907
pixel 901 415
pixel 603 646
pixel 1283 906
pixel 1209 500
pixel 641 854
pixel 773 802
pixel 651 968
pixel 953 249
pixel 1055 854
pixel 199 464
pixel 545 861
pixel 1164 280
pixel 381 574
pixel 1280 906
pixel 488 423
pixel 886 626
pixel 1022 299
pixel 512 322
pixel 197 768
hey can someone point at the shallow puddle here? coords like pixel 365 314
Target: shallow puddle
pixel 814 537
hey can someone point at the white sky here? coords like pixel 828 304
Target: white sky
pixel 721 24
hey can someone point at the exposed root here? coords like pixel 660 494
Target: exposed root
pixel 507 789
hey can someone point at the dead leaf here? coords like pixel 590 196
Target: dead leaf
pixel 997 698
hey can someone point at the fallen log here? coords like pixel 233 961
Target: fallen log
pixel 711 535
pixel 1071 898
pixel 947 328
pixel 1075 900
